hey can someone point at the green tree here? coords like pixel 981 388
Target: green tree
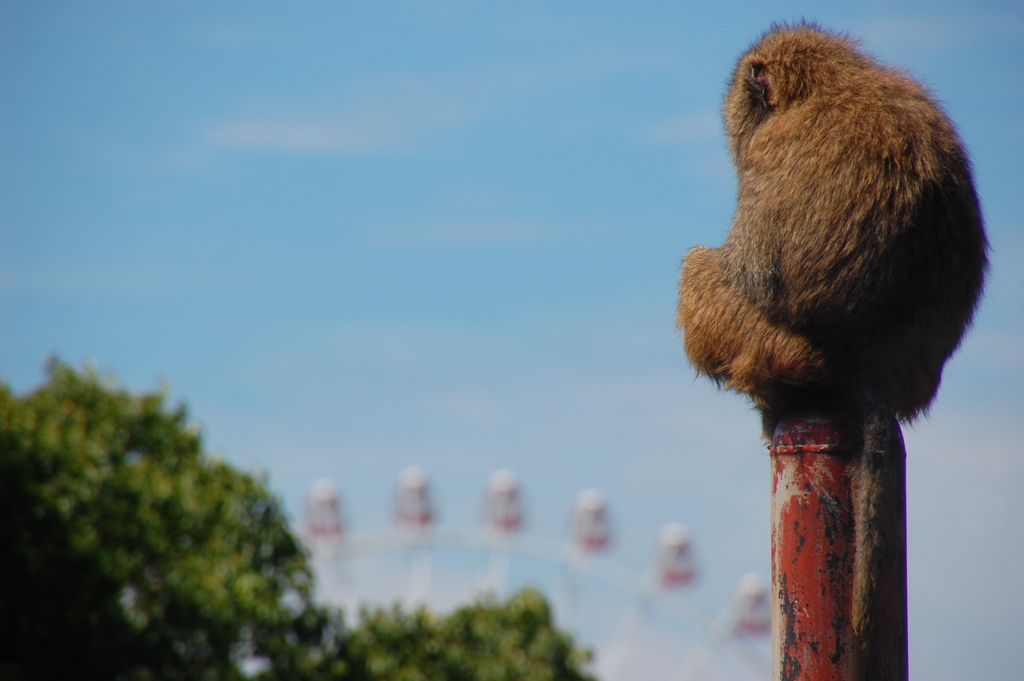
pixel 481 642
pixel 126 553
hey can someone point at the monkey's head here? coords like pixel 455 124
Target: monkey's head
pixel 788 66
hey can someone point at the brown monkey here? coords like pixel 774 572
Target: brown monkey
pixel 857 254
pixel 853 267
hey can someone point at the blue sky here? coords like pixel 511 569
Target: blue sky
pixel 358 236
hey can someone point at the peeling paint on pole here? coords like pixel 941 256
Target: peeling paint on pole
pixel 813 550
pixel 839 551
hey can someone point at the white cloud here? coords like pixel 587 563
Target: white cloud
pixel 682 130
pixel 387 117
pixel 465 407
pixel 306 137
pixel 920 34
pixel 388 113
pixel 915 34
pixel 458 234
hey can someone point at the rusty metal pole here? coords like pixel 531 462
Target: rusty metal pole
pixel 839 610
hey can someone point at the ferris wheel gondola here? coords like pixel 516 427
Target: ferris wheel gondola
pixel 673 568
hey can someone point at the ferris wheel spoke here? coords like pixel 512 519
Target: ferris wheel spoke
pixel 335 553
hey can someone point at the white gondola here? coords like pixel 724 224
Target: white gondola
pixel 590 536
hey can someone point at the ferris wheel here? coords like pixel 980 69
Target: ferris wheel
pixel 654 594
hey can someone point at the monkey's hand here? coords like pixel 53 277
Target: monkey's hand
pixel 731 341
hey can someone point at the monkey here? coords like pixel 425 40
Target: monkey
pixel 857 253
pixel 853 268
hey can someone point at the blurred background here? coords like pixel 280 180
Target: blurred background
pixel 355 237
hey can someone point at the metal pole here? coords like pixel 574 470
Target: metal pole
pixel 497 568
pixel 628 630
pixel 838 552
pixel 420 564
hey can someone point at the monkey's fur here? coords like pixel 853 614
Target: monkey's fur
pixel 857 254
pixel 853 268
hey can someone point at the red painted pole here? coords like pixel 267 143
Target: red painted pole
pixel 839 612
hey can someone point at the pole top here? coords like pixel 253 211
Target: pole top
pixel 811 432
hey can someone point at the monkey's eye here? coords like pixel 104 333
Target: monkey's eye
pixel 760 87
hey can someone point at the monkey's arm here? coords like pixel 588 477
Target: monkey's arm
pixel 732 341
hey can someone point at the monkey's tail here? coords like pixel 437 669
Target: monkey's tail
pixel 879 607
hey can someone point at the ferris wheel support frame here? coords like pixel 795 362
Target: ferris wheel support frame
pixel 718 631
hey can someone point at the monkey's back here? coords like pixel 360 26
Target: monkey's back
pixel 857 224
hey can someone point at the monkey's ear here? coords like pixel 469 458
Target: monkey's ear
pixel 760 87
